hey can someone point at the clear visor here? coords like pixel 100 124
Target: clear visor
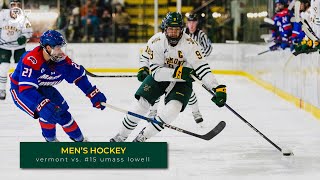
pixel 173 32
pixel 58 53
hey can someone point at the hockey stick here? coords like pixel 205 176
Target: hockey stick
pixel 2 42
pixel 291 5
pixel 297 11
pixel 284 152
pixel 254 55
pixel 215 131
pixel 308 30
pixel 10 42
pixel 110 76
pixel 288 60
pixel 268 20
pixel 263 52
pixel 304 23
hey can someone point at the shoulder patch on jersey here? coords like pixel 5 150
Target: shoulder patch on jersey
pixel 155 40
pixel 191 41
pixel 32 59
pixel 28 25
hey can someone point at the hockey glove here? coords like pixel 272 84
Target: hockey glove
pixel 143 73
pixel 96 97
pixel 221 95
pixel 274 47
pixel 22 40
pixel 183 73
pixel 49 111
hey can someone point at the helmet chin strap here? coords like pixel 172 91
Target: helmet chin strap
pixel 50 54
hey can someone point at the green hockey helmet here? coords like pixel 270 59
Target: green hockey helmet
pixel 173 21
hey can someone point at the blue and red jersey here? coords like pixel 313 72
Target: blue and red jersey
pixel 282 21
pixel 34 71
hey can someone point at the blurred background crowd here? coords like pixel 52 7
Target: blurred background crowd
pixel 133 20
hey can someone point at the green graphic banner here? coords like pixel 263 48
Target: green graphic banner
pixel 93 155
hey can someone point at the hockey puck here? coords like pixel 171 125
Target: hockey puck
pixel 287 152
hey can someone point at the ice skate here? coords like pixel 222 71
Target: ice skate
pixel 118 138
pixel 2 94
pixel 140 137
pixel 198 118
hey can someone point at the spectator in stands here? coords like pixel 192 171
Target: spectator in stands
pixel 106 26
pixel 62 22
pixel 91 27
pixel 74 26
pixel 122 21
pixel 90 4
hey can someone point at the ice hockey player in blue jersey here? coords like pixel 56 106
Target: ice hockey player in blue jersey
pixel 33 92
pixel 284 27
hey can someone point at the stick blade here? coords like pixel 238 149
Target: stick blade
pixel 215 131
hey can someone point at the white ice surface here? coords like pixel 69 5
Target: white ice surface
pixel 237 153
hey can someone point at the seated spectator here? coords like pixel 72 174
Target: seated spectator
pixel 85 8
pixel 90 24
pixel 74 25
pixel 122 21
pixel 106 26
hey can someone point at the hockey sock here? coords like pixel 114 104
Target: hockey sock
pixel 70 126
pixel 4 68
pixel 130 122
pixel 193 102
pixel 169 114
pixel 48 130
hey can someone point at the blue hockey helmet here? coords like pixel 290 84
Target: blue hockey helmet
pixel 56 41
pixel 284 2
pixel 52 38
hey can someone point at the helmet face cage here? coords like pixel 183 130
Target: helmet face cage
pixel 15 8
pixel 174 20
pixel 56 41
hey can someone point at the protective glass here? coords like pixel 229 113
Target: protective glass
pixel 58 53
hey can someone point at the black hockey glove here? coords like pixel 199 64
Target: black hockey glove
pixel 143 73
pixel 22 40
pixel 221 95
pixel 183 73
